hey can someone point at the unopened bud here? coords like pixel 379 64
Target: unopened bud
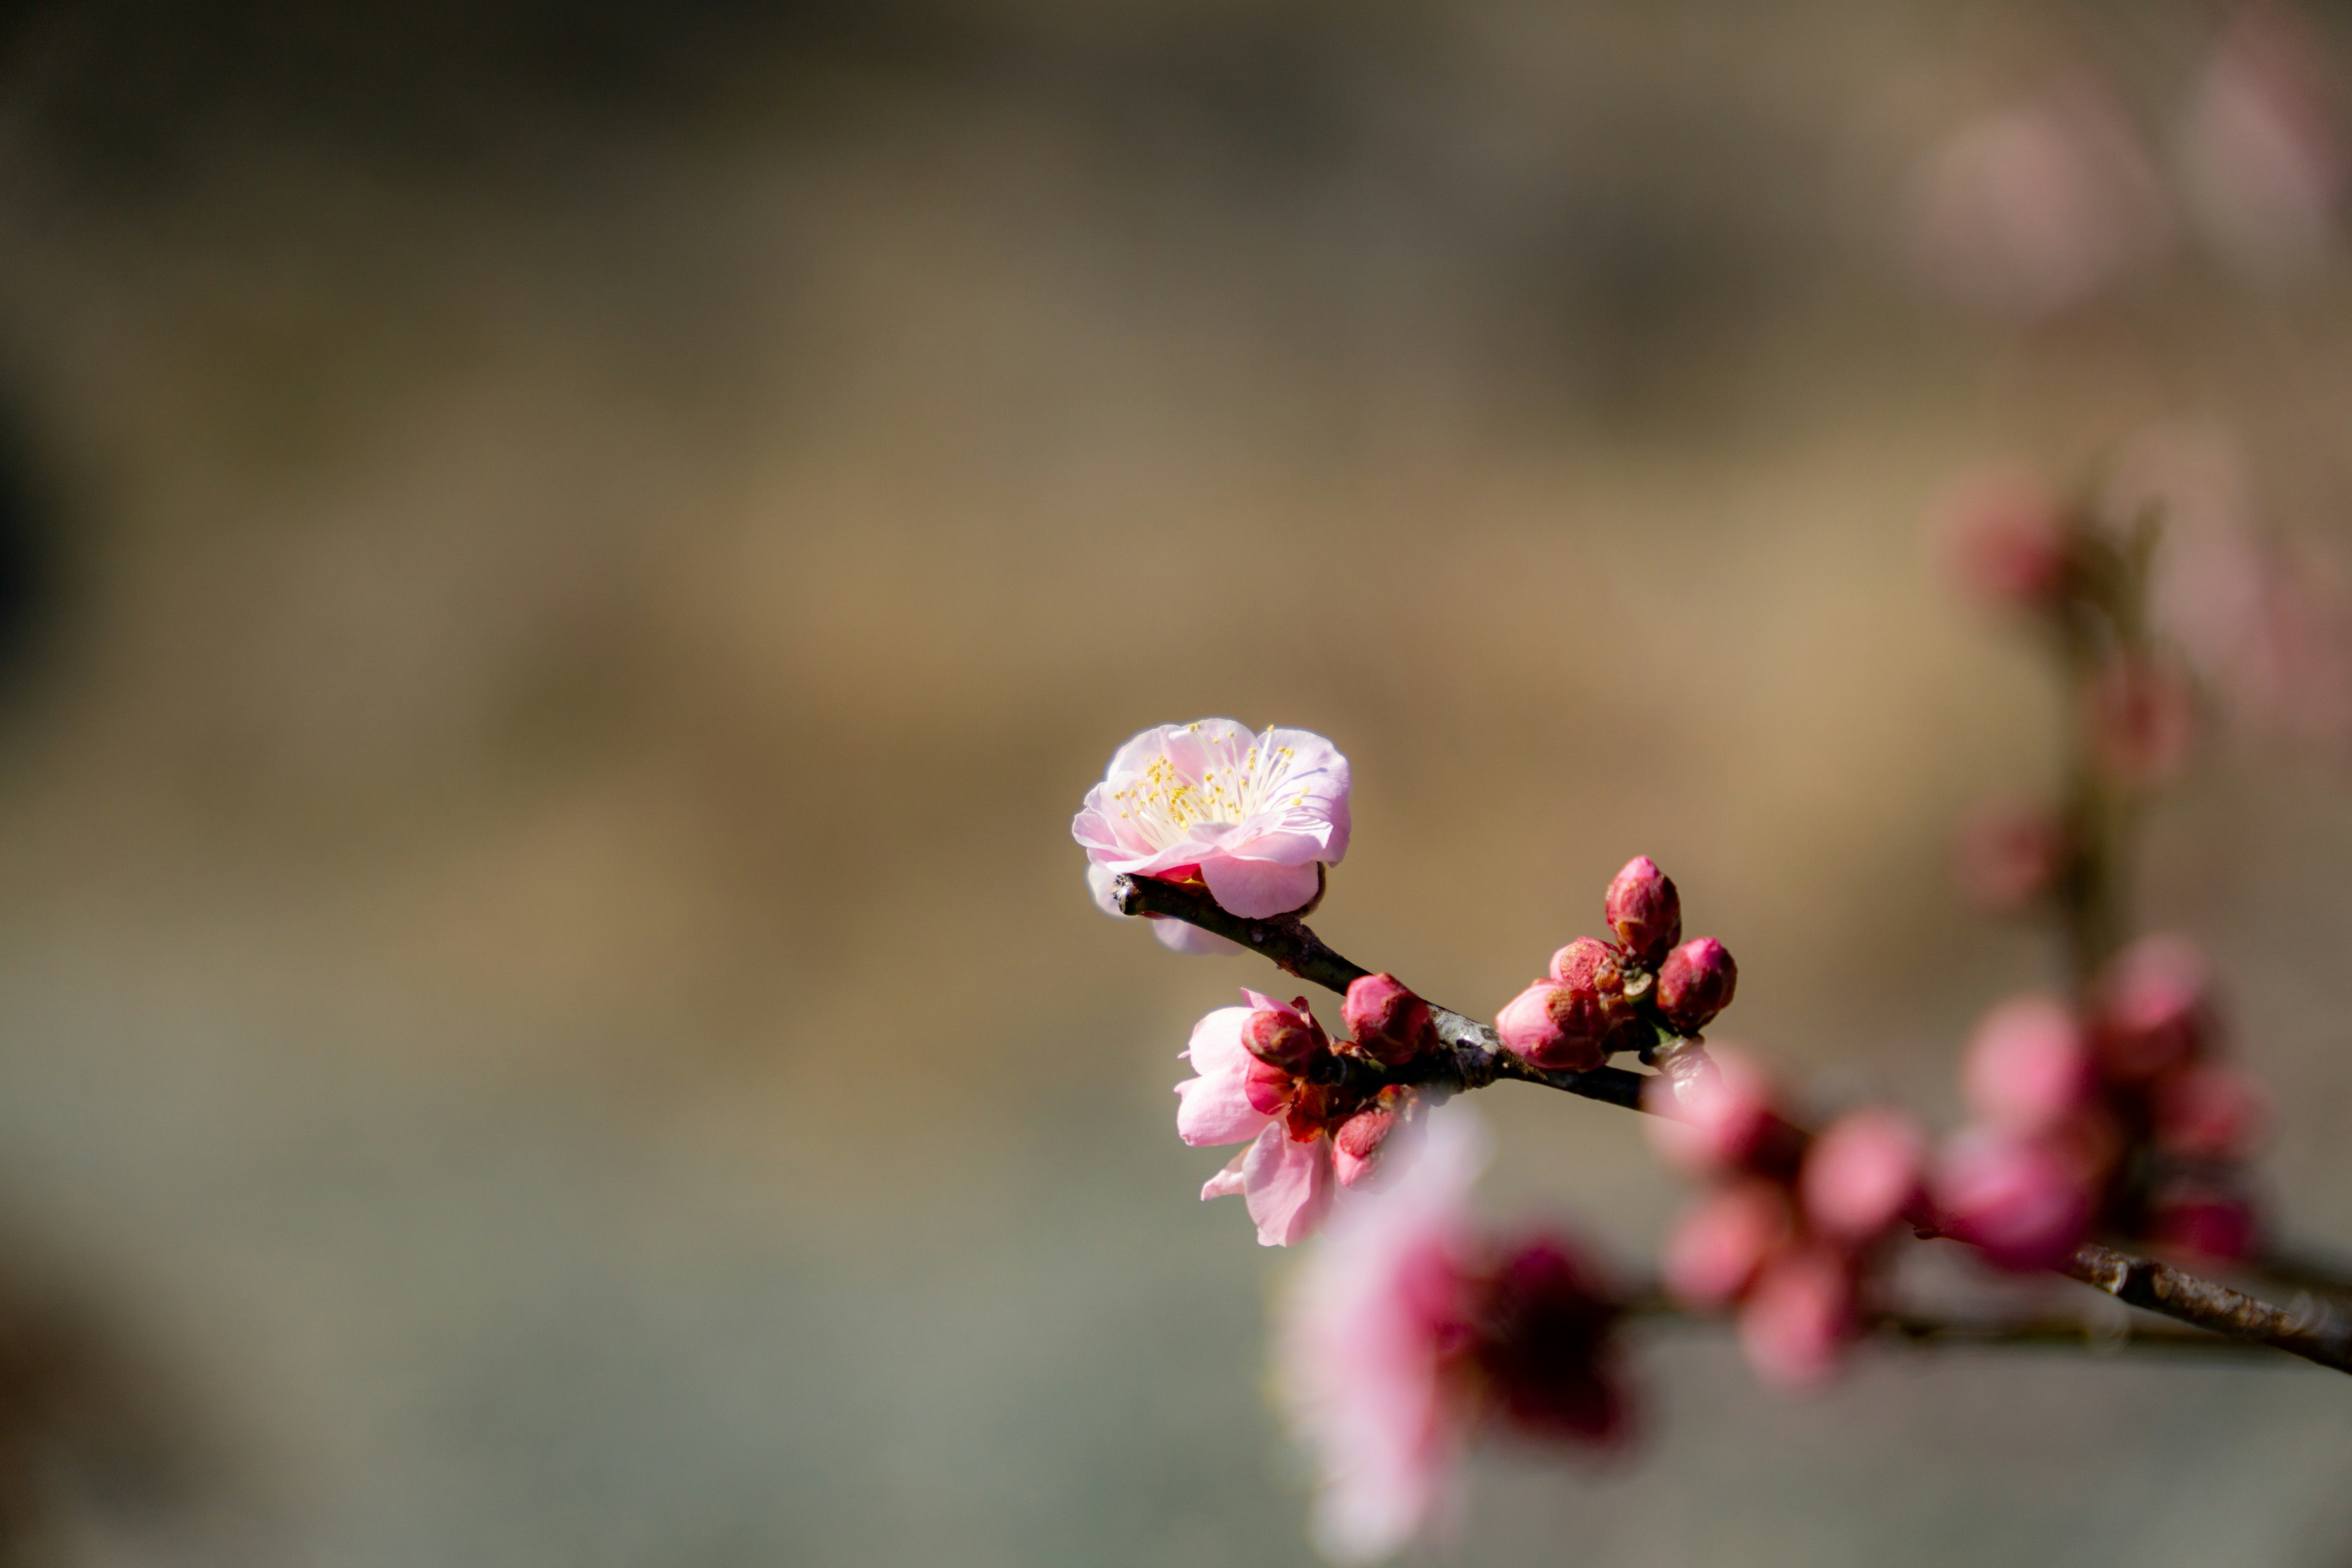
pixel 1798 1319
pixel 1283 1039
pixel 1358 1141
pixel 1695 983
pixel 1723 1240
pixel 1389 1023
pixel 2023 1202
pixel 1860 1174
pixel 1589 964
pixel 1644 910
pixel 2028 1067
pixel 2006 539
pixel 2209 1112
pixel 1554 1026
pixel 2154 1009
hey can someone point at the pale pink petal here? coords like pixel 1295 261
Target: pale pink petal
pixel 1260 1002
pixel 1290 1186
pixel 1216 1110
pixel 1255 889
pixel 1099 879
pixel 1179 936
pixel 1227 1181
pixel 1216 1045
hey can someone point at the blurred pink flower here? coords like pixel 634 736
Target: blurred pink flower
pixel 2210 1112
pixel 2152 1009
pixel 1799 1318
pixel 1286 1179
pixel 2033 209
pixel 1406 1332
pixel 2021 1201
pixel 1722 1241
pixel 2004 536
pixel 1254 816
pixel 1860 1174
pixel 1367 1343
pixel 2006 855
pixel 2208 1223
pixel 1711 1113
pixel 2027 1067
pixel 2262 149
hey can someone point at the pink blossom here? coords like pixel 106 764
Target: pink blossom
pixel 2153 1009
pixel 1712 1112
pixel 2005 535
pixel 1860 1174
pixel 1367 1345
pixel 1287 1180
pixel 1721 1242
pixel 2028 1065
pixel 2032 209
pixel 1254 817
pixel 2262 149
pixel 2020 1200
pixel 1798 1319
pixel 2006 855
pixel 2209 1112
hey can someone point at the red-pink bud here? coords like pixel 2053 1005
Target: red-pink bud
pixel 1644 910
pixel 1722 1240
pixel 1713 1118
pixel 1798 1319
pixel 2203 1221
pixel 2019 1201
pixel 2006 540
pixel 1695 983
pixel 1389 1023
pixel 1286 1040
pixel 1267 1087
pixel 2154 1009
pixel 2209 1112
pixel 1554 1026
pixel 1358 1143
pixel 2006 855
pixel 2028 1065
pixel 2142 722
pixel 1860 1174
pixel 1589 964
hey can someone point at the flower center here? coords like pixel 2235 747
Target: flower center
pixel 1167 804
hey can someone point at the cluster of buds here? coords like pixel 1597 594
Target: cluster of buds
pixel 1318 1113
pixel 1599 997
pixel 1412 1330
pixel 1789 1231
pixel 2119 1117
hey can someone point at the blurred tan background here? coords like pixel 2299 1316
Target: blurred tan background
pixel 568 565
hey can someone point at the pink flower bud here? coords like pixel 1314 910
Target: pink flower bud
pixel 1695 983
pixel 2028 1065
pixel 1590 966
pixel 1722 1240
pixel 1551 1026
pixel 1713 1118
pixel 1267 1087
pixel 1860 1174
pixel 2006 539
pixel 2154 1009
pixel 2203 1221
pixel 1356 1147
pixel 2209 1112
pixel 1798 1319
pixel 2007 854
pixel 2021 1202
pixel 1644 910
pixel 2142 722
pixel 1389 1023
pixel 1284 1038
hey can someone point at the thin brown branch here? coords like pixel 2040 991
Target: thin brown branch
pixel 2132 1333
pixel 1475 1057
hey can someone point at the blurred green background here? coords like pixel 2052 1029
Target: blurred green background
pixel 567 566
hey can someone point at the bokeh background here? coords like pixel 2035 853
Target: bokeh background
pixel 565 567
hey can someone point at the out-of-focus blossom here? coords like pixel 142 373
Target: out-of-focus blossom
pixel 1799 1318
pixel 1407 1331
pixel 1644 910
pixel 2018 1199
pixel 2265 627
pixel 2208 1111
pixel 2153 1009
pixel 2033 209
pixel 1286 1175
pixel 1711 1119
pixel 1695 983
pixel 1722 1241
pixel 2007 854
pixel 2208 1223
pixel 1254 816
pixel 2142 722
pixel 2005 538
pixel 1860 1174
pixel 2028 1067
pixel 2262 151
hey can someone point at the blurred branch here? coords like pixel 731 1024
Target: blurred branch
pixel 2056 1330
pixel 1475 1057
